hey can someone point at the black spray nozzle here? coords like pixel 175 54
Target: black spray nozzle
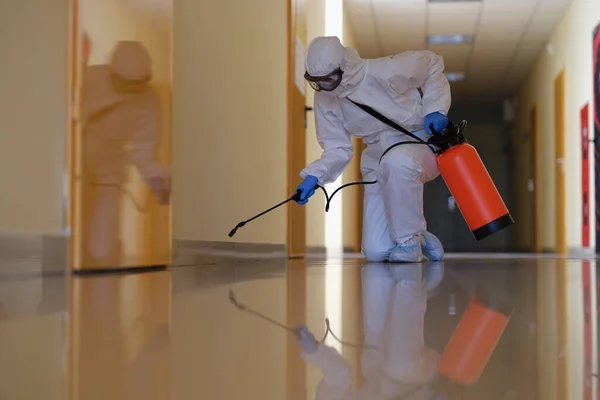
pixel 296 196
pixel 448 137
pixel 234 230
pixel 449 129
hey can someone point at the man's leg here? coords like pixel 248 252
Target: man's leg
pixel 376 240
pixel 402 175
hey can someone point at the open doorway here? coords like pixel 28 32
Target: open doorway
pixel 120 147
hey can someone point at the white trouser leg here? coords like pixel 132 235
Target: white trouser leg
pixel 377 283
pixel 376 240
pixel 401 175
pixel 406 358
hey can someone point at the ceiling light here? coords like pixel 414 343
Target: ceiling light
pixel 453 1
pixel 450 39
pixel 455 76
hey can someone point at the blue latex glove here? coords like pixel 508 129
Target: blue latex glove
pixel 307 340
pixel 307 189
pixel 438 120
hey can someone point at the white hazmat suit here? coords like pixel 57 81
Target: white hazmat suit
pixel 397 363
pixel 404 88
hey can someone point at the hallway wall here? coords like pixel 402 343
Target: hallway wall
pixel 33 115
pixel 571 46
pixel 229 119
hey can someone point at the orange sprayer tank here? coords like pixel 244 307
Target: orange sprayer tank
pixel 470 184
pixel 474 340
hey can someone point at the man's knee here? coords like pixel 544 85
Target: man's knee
pixel 402 164
pixel 374 252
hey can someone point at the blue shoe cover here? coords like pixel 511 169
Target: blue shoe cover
pixel 409 252
pixel 432 247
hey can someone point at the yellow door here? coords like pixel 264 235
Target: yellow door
pixel 119 147
pixel 296 216
pixel 560 167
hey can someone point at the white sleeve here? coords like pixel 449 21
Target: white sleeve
pixel 336 383
pixel 335 141
pixel 435 87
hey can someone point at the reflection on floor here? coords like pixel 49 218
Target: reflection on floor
pixel 178 335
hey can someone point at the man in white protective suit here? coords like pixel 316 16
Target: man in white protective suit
pixel 395 362
pixel 411 90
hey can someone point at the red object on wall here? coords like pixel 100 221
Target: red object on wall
pixel 588 356
pixel 585 177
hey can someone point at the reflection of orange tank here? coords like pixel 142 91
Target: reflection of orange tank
pixel 472 188
pixel 474 340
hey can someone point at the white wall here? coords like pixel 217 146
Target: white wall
pixel 229 119
pixel 33 115
pixel 571 49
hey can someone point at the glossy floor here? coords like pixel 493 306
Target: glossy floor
pixel 178 335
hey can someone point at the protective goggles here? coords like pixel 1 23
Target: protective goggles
pixel 327 83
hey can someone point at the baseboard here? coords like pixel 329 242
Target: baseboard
pixel 201 245
pixel 323 250
pixel 187 252
pixel 582 252
pixel 22 253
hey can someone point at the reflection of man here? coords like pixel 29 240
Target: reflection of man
pixel 395 361
pixel 121 118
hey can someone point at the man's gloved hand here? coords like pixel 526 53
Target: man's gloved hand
pixel 438 120
pixel 307 340
pixel 307 189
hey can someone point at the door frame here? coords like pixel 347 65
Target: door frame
pixel 74 54
pixel 535 163
pixel 560 163
pixel 296 132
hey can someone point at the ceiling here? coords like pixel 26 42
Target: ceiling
pixel 508 37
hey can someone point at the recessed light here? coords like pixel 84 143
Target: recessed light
pixel 454 1
pixel 450 39
pixel 455 76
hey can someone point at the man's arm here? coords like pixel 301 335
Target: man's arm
pixel 435 87
pixel 335 141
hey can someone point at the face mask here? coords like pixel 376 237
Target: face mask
pixel 326 83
